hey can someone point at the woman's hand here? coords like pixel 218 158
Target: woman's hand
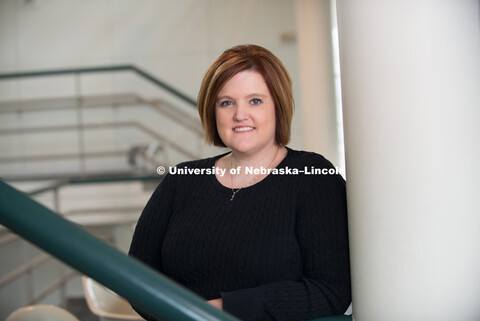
pixel 216 303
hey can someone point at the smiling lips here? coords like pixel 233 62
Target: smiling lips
pixel 243 129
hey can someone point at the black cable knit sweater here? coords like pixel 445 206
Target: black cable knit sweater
pixel 278 251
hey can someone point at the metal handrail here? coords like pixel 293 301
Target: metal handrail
pixel 152 292
pixel 100 69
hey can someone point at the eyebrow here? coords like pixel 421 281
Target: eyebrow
pixel 249 96
pixel 223 97
pixel 257 95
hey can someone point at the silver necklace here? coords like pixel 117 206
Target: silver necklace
pixel 234 192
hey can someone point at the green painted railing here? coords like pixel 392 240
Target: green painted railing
pixel 101 69
pixel 144 287
pixel 131 279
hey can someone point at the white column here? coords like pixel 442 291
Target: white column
pixel 317 82
pixel 411 96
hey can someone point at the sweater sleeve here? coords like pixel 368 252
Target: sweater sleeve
pixel 151 228
pixel 324 288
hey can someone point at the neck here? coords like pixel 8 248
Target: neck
pixel 244 159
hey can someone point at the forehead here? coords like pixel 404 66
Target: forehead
pixel 245 82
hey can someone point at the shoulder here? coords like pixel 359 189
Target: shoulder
pixel 320 184
pixel 314 169
pixel 306 158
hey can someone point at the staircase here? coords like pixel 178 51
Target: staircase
pixel 90 155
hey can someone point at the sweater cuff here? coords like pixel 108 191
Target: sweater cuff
pixel 246 304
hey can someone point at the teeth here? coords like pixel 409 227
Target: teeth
pixel 242 129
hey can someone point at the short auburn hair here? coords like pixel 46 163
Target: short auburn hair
pixel 233 61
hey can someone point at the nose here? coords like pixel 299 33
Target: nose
pixel 240 113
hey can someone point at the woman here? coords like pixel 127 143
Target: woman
pixel 259 236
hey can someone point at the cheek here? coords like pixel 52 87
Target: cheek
pixel 270 118
pixel 218 118
pixel 221 121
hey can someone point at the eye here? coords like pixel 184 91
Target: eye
pixel 256 101
pixel 226 103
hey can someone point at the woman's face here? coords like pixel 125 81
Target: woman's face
pixel 245 113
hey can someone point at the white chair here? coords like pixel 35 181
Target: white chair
pixel 106 304
pixel 41 312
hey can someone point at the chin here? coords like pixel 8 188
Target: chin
pixel 247 149
pixel 241 149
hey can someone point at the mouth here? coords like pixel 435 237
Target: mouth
pixel 243 129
